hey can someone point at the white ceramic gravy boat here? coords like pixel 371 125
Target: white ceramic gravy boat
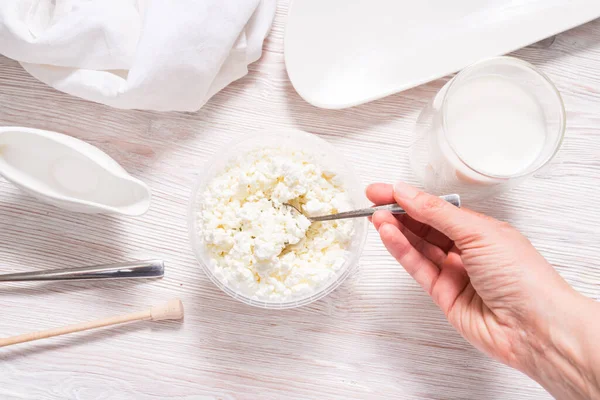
pixel 69 173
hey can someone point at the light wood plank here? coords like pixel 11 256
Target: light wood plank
pixel 378 335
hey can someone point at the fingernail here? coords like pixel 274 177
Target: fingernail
pixel 381 226
pixel 406 191
pixel 376 226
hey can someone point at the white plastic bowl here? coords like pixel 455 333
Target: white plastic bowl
pixel 326 156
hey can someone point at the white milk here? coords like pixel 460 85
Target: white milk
pixel 495 126
pixel 487 130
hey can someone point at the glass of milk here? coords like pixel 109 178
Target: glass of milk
pixel 491 126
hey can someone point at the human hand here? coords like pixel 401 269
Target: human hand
pixel 495 288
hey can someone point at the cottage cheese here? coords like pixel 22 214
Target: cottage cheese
pixel 263 249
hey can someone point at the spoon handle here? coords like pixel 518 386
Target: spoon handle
pixel 367 212
pixel 135 269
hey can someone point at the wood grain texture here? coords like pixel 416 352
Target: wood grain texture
pixel 378 335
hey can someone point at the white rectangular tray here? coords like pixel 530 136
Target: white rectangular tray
pixel 340 53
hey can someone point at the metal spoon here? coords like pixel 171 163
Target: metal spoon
pixel 132 269
pixel 367 212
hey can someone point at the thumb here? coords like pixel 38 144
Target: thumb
pixel 457 224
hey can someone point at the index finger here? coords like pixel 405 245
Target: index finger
pixel 383 193
pixel 456 223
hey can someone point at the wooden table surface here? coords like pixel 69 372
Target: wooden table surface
pixel 378 335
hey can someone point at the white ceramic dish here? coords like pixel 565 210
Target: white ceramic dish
pixel 69 173
pixel 328 157
pixel 341 53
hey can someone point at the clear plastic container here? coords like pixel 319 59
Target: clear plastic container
pixel 326 156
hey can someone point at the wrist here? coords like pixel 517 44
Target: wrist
pixel 564 359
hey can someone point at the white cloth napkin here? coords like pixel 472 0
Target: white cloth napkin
pixel 144 54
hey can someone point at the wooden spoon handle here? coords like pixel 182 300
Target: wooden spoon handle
pixel 171 310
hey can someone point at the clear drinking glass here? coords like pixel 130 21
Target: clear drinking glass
pixel 447 160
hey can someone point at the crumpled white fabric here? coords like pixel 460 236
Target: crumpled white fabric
pixel 144 54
